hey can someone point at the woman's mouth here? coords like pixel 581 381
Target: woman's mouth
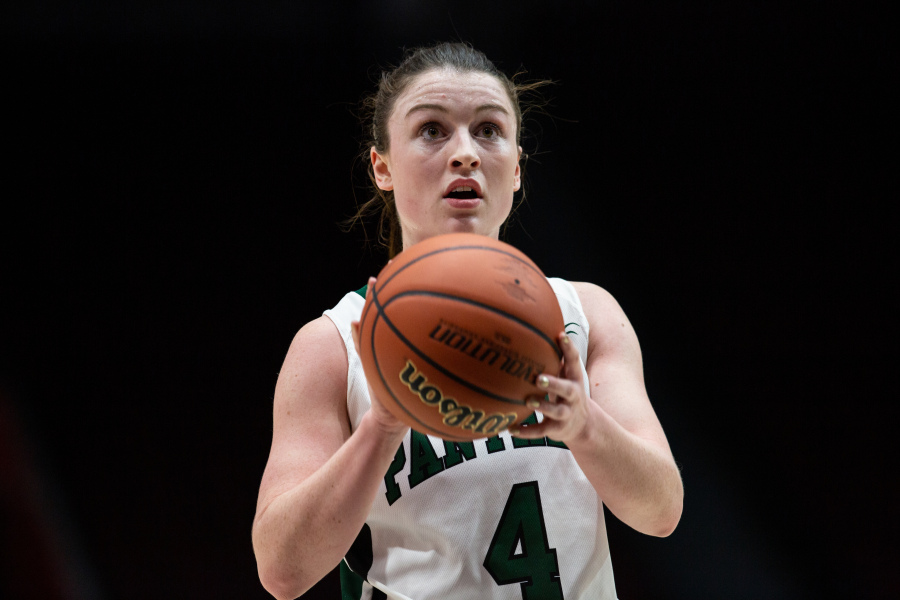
pixel 463 197
pixel 463 203
pixel 463 192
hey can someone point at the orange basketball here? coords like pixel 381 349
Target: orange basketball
pixel 454 334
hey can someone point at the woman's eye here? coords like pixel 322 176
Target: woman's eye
pixel 431 132
pixel 489 131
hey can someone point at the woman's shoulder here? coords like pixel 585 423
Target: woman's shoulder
pixel 318 347
pixel 585 291
pixel 347 310
pixel 608 322
pixel 594 301
pixel 593 296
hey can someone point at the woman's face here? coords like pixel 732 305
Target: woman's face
pixel 453 161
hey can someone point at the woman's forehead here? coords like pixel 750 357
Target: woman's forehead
pixel 449 88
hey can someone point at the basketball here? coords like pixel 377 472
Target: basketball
pixel 454 334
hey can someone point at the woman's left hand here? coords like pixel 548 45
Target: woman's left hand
pixel 562 400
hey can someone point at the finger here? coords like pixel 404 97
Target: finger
pixel 354 326
pixel 571 358
pixel 557 412
pixel 554 410
pixel 559 388
pixel 528 432
pixel 542 382
pixel 354 331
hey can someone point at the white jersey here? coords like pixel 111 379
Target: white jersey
pixel 498 518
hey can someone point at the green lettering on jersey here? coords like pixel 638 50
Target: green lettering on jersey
pixel 424 462
pixel 519 443
pixel 456 452
pixel 390 481
pixel 495 444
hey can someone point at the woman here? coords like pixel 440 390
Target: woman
pixel 416 517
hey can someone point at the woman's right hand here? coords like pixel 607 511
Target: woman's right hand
pixel 384 419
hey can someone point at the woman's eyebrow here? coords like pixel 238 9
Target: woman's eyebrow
pixel 442 108
pixel 418 107
pixel 486 107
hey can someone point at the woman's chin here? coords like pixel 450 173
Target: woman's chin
pixel 471 224
pixel 467 224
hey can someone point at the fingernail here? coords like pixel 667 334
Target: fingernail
pixel 565 340
pixel 543 381
pixel 533 404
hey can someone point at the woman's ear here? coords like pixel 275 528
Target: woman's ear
pixel 517 181
pixel 382 170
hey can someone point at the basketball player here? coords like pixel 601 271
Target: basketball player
pixel 517 516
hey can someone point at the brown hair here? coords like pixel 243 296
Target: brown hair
pixel 377 109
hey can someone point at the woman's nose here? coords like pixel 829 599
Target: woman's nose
pixel 465 154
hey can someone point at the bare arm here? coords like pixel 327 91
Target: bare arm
pixel 614 434
pixel 320 481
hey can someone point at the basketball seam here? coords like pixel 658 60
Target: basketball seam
pixel 467 247
pixel 494 309
pixel 377 288
pixel 390 391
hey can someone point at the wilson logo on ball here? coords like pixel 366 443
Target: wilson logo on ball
pixel 455 414
pixel 485 351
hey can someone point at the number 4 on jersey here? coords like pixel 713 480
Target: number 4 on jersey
pixel 520 552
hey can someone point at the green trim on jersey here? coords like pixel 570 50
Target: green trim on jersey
pixel 351 583
pixel 362 291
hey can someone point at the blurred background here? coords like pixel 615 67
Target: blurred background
pixel 174 178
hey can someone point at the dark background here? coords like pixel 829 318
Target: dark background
pixel 174 177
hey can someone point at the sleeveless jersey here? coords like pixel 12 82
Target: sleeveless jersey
pixel 494 519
